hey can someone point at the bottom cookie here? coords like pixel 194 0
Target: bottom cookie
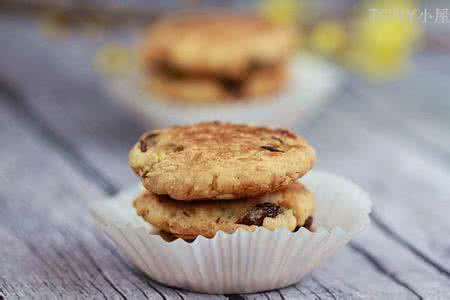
pixel 291 208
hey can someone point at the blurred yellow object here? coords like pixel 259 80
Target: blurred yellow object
pixel 328 38
pixel 281 11
pixel 382 43
pixel 113 59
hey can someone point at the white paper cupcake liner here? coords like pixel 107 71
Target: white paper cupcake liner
pixel 242 262
pixel 312 81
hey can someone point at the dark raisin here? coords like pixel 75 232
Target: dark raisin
pixel 186 214
pixel 308 223
pixel 233 87
pixel 143 146
pixel 178 148
pixel 167 236
pixel 256 215
pixel 144 141
pixel 271 148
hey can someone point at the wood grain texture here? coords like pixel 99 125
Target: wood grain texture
pixel 53 198
pixel 67 144
pixel 52 248
pixel 404 171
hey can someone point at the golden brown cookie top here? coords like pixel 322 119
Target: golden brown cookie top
pixel 215 160
pixel 217 43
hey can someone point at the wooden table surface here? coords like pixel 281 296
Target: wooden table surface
pixel 64 144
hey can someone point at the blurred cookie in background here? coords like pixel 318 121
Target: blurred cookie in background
pixel 215 89
pixel 210 57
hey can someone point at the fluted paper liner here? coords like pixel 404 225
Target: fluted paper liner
pixel 242 262
pixel 311 82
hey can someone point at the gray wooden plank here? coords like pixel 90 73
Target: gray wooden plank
pixel 53 248
pixel 406 177
pixel 418 103
pixel 61 84
pixel 342 277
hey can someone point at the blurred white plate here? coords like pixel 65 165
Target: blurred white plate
pixel 312 83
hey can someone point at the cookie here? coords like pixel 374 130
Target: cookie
pixel 291 207
pixel 261 82
pixel 215 160
pixel 219 43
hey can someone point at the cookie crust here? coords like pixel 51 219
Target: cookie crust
pixel 215 160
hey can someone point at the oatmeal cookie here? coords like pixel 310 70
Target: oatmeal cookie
pixel 223 43
pixel 215 160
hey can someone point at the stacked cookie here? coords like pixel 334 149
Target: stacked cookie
pixel 216 56
pixel 210 177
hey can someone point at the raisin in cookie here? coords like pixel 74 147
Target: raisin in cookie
pixel 290 208
pixel 215 160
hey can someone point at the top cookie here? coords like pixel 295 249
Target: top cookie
pixel 220 44
pixel 217 160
